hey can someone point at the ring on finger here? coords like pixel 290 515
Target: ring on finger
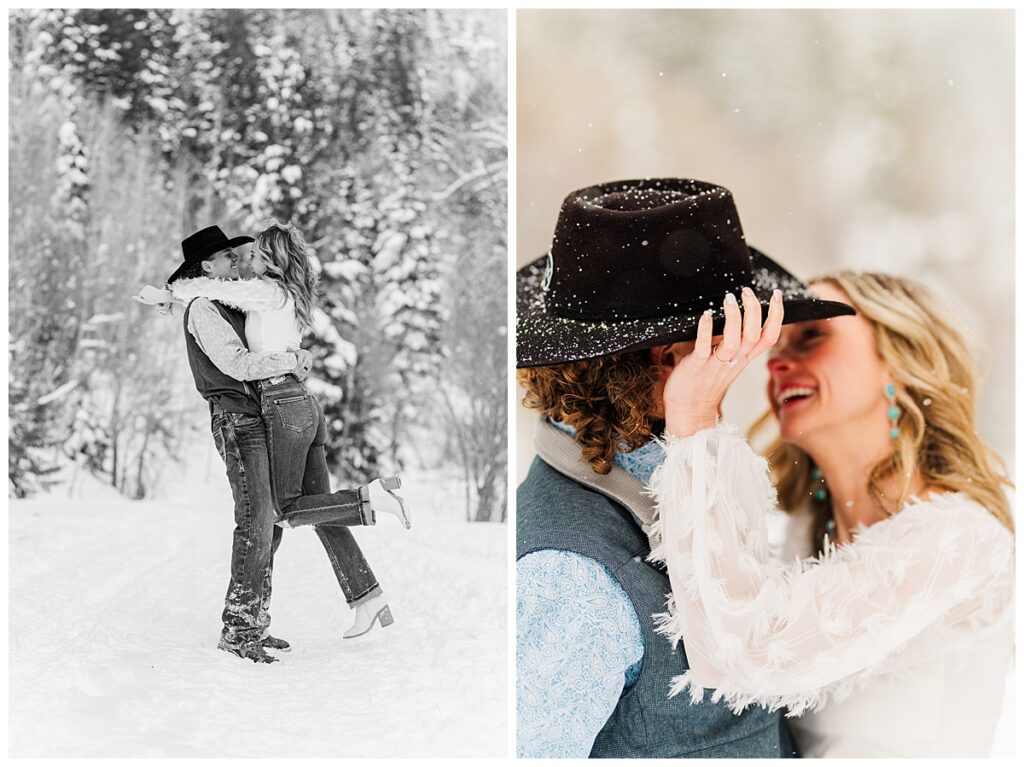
pixel 730 362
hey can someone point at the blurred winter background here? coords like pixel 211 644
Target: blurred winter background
pixel 850 139
pixel 383 136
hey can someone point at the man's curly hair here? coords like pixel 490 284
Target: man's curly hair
pixel 610 402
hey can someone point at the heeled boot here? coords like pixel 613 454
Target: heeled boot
pixel 383 498
pixel 378 496
pixel 371 611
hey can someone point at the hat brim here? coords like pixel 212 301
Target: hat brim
pixel 206 252
pixel 545 339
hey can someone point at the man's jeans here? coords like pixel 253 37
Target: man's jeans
pixel 242 443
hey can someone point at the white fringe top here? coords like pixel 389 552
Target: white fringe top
pixel 270 323
pixel 933 579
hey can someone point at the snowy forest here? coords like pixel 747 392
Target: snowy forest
pixel 380 134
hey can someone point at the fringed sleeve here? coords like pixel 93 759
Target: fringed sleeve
pixel 760 631
pixel 252 295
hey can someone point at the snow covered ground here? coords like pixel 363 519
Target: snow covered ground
pixel 115 613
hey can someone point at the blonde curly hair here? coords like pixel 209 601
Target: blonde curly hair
pixel 288 260
pixel 936 390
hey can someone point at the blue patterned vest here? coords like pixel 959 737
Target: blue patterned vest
pixel 217 387
pixel 562 509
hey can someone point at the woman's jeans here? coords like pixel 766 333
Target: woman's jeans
pixel 296 435
pixel 301 484
pixel 242 441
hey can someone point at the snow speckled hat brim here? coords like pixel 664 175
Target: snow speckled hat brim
pixel 546 339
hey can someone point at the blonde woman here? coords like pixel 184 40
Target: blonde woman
pixel 277 294
pixel 895 640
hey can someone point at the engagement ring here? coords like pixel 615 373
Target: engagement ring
pixel 731 362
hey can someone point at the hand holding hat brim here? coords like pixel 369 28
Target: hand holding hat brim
pixel 696 386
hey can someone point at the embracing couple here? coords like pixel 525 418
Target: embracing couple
pixel 246 307
pixel 886 629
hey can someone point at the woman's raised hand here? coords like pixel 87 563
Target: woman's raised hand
pixel 695 388
pixel 157 298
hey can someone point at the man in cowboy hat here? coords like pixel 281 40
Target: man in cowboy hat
pixel 222 367
pixel 614 304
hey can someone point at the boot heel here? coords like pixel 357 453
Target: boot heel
pixel 379 503
pixel 385 616
pixel 389 485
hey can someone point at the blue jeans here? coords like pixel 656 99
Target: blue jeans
pixel 301 484
pixel 242 443
pixel 296 439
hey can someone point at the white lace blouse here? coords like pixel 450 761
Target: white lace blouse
pixel 914 590
pixel 270 324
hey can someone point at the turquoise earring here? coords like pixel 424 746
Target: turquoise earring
pixel 894 412
pixel 821 493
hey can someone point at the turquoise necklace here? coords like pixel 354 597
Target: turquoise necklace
pixel 820 493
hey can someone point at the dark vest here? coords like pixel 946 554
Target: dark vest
pixel 217 387
pixel 556 512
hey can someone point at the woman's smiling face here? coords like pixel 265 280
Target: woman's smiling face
pixel 827 374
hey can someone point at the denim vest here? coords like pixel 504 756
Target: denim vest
pixel 555 511
pixel 217 387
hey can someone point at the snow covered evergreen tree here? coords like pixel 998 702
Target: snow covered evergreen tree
pixel 355 126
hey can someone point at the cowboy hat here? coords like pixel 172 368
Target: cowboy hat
pixel 634 264
pixel 203 244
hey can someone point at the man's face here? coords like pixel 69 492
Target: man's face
pixel 222 265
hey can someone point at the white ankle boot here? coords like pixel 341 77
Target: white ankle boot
pixel 369 612
pixel 382 498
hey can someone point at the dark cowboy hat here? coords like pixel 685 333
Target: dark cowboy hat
pixel 203 244
pixel 634 264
